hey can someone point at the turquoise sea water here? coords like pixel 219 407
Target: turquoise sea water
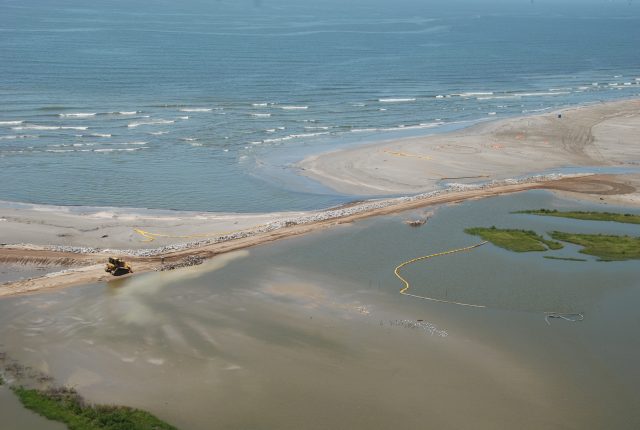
pixel 203 105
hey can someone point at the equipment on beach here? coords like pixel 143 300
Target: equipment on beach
pixel 117 267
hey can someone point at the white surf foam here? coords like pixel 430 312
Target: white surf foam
pixel 137 143
pixel 10 122
pixel 420 126
pixel 36 127
pixel 293 136
pixel 294 107
pixel 19 136
pixel 196 110
pixel 153 122
pixel 158 133
pixel 77 115
pixel 261 115
pixel 119 149
pixel 512 96
pixel 47 127
pixel 475 94
pixel 542 94
pixel 397 100
pixel 423 125
pixel 259 104
pixel 99 135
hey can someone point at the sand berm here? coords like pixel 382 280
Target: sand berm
pixel 473 163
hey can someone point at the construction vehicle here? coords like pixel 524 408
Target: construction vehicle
pixel 118 267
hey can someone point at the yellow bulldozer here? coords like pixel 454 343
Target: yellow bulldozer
pixel 118 267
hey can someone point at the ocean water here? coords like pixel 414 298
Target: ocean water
pixel 205 105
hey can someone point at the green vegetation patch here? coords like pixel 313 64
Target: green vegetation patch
pixel 605 247
pixel 588 216
pixel 551 257
pixel 514 240
pixel 66 405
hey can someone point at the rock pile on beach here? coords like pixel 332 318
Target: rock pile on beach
pixel 191 260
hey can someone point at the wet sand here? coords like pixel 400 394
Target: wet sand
pixel 92 260
pixel 596 135
pixel 474 163
pixel 42 225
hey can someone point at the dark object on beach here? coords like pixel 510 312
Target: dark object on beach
pixel 416 222
pixel 117 267
pixel 192 260
pixel 559 115
pixel 104 235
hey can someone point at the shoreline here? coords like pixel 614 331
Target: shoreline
pixel 589 135
pixel 479 161
pixel 92 261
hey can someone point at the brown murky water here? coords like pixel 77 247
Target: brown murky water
pixel 312 333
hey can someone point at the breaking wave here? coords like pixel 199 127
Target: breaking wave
pixel 153 122
pixel 77 115
pixel 196 110
pixel 397 100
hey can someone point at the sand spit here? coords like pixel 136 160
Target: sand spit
pixel 596 135
pixel 473 163
pixel 92 260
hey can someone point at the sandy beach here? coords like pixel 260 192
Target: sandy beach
pixel 474 163
pixel 597 135
pixel 86 264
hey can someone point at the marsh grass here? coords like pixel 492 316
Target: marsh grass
pixel 514 240
pixel 605 247
pixel 587 216
pixel 67 406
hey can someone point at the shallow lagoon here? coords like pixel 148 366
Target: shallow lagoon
pixel 311 332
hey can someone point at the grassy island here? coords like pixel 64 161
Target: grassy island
pixel 587 216
pixel 605 247
pixel 514 240
pixel 66 405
